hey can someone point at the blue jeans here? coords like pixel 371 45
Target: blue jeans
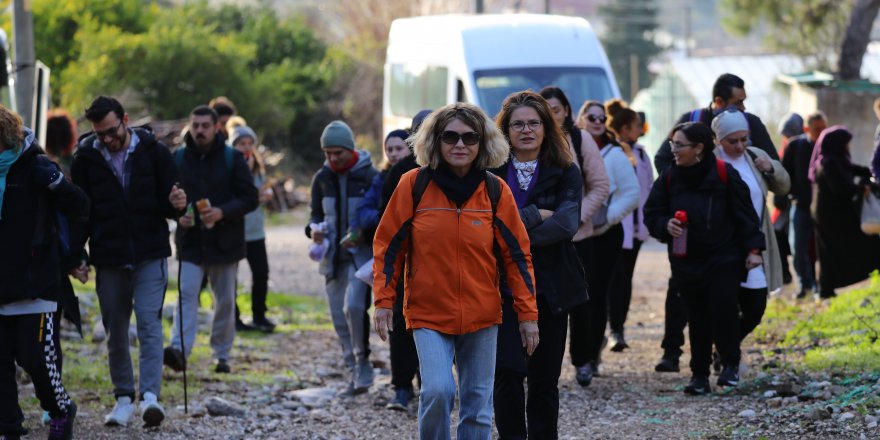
pixel 474 355
pixel 803 232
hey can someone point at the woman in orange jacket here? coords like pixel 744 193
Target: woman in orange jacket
pixel 443 226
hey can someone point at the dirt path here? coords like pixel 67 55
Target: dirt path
pixel 629 400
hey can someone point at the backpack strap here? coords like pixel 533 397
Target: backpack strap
pixel 422 180
pixel 494 190
pixel 696 115
pixel 178 156
pixel 227 155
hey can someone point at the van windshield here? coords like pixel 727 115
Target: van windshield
pixel 578 83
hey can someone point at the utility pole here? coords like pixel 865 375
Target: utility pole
pixel 546 6
pixel 687 31
pixel 480 8
pixel 23 36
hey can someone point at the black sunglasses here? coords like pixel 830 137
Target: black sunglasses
pixel 597 119
pixel 451 137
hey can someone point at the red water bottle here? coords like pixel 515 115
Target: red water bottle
pixel 679 244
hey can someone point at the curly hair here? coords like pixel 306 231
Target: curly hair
pixel 493 151
pixel 11 129
pixel 554 148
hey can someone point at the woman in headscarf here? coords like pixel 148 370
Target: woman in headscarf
pixel 846 254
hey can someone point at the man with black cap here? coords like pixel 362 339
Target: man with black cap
pixel 337 190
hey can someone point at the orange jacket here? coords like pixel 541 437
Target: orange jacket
pixel 452 279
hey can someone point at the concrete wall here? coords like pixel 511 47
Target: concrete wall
pixel 852 109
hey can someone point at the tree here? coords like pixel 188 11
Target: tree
pixel 629 31
pixel 855 42
pixel 811 29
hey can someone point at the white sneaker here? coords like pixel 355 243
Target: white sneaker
pixel 152 412
pixel 121 412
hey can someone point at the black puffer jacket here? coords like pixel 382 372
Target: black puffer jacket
pixel 207 175
pixel 30 258
pixel 722 224
pixel 127 224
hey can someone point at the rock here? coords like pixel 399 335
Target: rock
pixel 313 397
pixel 324 372
pixel 775 402
pixel 837 390
pixel 788 389
pixel 871 421
pixel 748 414
pixel 826 395
pixel 218 406
pixel 769 394
pixel 819 414
pixel 847 416
pixel 790 400
pixel 98 332
pixel 823 384
pixel 320 414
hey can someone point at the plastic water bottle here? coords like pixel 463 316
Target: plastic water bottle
pixel 679 244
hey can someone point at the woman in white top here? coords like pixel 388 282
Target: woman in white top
pixel 760 173
pixel 588 326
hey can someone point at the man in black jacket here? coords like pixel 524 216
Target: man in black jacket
pixel 797 162
pixel 131 178
pixel 729 90
pixel 217 179
pixel 32 192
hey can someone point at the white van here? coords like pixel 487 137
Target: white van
pixel 436 60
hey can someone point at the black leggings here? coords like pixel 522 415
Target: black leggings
pixel 621 287
pixel 258 261
pixel 752 303
pixel 404 358
pixel 30 341
pixel 588 320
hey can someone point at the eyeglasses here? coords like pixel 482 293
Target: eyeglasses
pixel 452 137
pixel 112 133
pixel 679 145
pixel 597 119
pixel 533 125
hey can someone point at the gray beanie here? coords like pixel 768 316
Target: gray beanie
pixel 337 134
pixel 792 125
pixel 729 121
pixel 240 132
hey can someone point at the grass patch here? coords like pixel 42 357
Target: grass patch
pixel 86 371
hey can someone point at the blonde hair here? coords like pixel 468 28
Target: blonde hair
pixel 493 147
pixel 235 121
pixel 11 129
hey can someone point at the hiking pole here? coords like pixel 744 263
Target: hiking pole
pixel 180 328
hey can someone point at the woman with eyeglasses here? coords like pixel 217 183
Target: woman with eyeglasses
pixel 442 228
pixel 547 188
pixel 602 252
pixel 761 174
pixel 702 209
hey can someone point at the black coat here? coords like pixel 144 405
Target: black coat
pixel 127 224
pixel 559 273
pixel 796 161
pixel 722 223
pixel 206 175
pixel 846 254
pixel 757 133
pixel 30 260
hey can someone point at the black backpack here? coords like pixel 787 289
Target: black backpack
pixel 423 178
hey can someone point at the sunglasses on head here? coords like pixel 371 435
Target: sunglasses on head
pixel 597 119
pixel 452 137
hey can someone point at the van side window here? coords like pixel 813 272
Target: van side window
pixel 417 86
pixel 461 94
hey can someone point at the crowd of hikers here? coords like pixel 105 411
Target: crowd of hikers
pixel 484 246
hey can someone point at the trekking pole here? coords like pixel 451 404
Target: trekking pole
pixel 180 328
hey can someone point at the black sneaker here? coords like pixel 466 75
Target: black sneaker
pixel 729 376
pixel 698 386
pixel 242 327
pixel 351 391
pixel 62 427
pixel 264 325
pixel 584 375
pixel 173 358
pixel 222 366
pixel 617 342
pixel 667 364
pixel 401 399
pixel 802 294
